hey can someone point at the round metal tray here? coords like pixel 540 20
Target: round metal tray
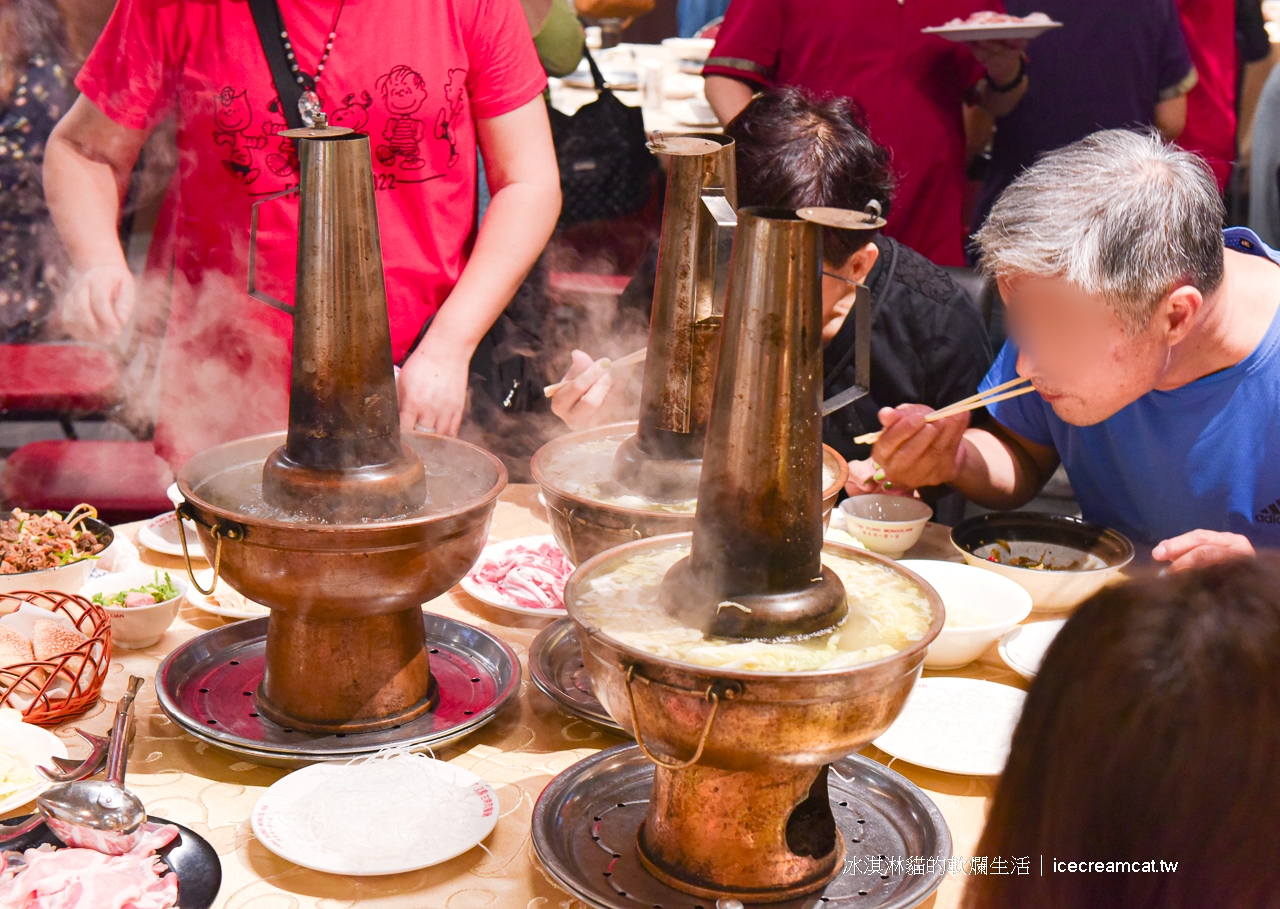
pixel 586 820
pixel 208 687
pixel 555 662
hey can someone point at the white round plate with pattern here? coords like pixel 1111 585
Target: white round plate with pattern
pixel 250 609
pixel 956 725
pixel 378 815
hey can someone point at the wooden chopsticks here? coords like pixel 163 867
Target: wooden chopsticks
pixel 1010 389
pixel 621 363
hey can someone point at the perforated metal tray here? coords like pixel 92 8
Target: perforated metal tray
pixel 555 663
pixel 208 687
pixel 586 820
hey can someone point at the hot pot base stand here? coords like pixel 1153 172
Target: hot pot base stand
pixel 208 687
pixel 586 820
pixel 555 663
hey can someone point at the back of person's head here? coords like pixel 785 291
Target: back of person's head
pixel 1151 734
pixel 1122 215
pixel 794 150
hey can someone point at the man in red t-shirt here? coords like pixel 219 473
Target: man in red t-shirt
pixel 912 87
pixel 1210 29
pixel 428 82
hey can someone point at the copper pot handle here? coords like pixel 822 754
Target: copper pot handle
pixel 713 695
pixel 219 532
pixel 262 296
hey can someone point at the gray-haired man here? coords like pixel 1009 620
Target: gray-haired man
pixel 1152 340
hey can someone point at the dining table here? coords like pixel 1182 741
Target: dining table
pixel 528 743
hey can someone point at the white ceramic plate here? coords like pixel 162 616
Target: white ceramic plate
pixel 32 745
pixel 686 115
pixel 1009 31
pixel 956 725
pixel 160 534
pixel 208 604
pixel 496 551
pixel 614 80
pixel 372 817
pixel 1023 648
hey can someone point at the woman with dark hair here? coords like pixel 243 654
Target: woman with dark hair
pixel 1151 735
pixel 35 91
pixel 795 150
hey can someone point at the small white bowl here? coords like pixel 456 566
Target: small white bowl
pixel 136 627
pixel 980 607
pixel 695 50
pixel 889 525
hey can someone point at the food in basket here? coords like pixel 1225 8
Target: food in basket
pixel 15 647
pixel 145 595
pixel 52 639
pixel 46 877
pixel 30 542
pixel 15 774
pixel 533 578
pixel 988 17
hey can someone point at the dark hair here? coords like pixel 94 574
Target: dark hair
pixel 27 28
pixel 794 150
pixel 1151 733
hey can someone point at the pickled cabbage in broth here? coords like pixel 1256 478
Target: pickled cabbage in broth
pixel 887 613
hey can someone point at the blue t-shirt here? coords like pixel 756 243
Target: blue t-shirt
pixel 1203 456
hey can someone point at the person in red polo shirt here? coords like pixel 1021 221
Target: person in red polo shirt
pixel 911 86
pixel 428 82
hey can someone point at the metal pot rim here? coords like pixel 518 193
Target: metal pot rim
pixel 540 457
pixel 811 675
pixel 184 486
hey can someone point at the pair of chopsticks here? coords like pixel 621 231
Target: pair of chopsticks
pixel 1010 389
pixel 621 363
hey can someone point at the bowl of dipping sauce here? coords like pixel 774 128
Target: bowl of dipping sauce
pixel 889 525
pixel 1058 559
pixel 980 607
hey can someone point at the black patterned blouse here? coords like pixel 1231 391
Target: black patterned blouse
pixel 29 252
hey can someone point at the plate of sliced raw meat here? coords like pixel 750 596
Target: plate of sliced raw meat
pixel 172 868
pixel 525 575
pixel 988 25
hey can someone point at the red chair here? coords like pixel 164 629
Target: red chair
pixel 57 382
pixel 125 481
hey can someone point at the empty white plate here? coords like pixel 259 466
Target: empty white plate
pixel 160 534
pixel 1023 648
pixel 387 814
pixel 956 726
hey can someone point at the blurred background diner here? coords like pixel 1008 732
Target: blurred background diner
pixel 959 122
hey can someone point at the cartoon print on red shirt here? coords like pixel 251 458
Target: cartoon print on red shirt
pixel 282 162
pixel 233 117
pixel 354 114
pixel 452 113
pixel 403 93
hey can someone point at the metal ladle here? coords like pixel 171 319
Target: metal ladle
pixel 101 814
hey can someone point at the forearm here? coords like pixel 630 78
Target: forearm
pixel 83 194
pixel 516 228
pixel 995 474
pixel 727 96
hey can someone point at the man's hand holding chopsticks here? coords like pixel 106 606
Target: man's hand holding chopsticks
pixel 915 453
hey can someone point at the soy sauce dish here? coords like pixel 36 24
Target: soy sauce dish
pixel 1059 560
